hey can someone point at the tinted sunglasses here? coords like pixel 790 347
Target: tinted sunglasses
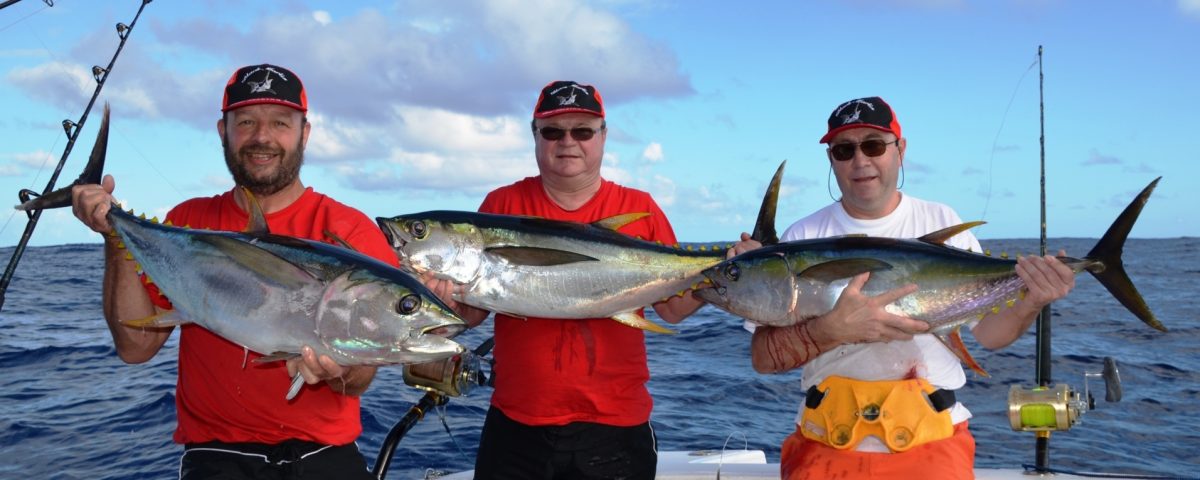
pixel 871 148
pixel 580 134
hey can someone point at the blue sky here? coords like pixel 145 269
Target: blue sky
pixel 421 105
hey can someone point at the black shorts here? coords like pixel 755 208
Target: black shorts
pixel 510 450
pixel 290 460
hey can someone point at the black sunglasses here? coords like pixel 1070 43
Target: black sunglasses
pixel 871 148
pixel 580 134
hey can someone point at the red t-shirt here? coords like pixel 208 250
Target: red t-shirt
pixel 221 393
pixel 554 372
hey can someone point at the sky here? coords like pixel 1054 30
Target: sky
pixel 425 105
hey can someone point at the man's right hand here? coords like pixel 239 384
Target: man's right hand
pixel 860 318
pixel 90 204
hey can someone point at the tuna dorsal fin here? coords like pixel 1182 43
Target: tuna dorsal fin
pixel 337 240
pixel 258 222
pixel 939 237
pixel 537 256
pixel 262 262
pixel 842 268
pixel 634 320
pixel 617 221
pixel 954 342
pixel 764 227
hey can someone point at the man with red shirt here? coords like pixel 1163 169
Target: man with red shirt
pixel 570 396
pixel 233 419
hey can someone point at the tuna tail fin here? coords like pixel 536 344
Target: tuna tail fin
pixel 92 173
pixel 954 342
pixel 1104 261
pixel 764 227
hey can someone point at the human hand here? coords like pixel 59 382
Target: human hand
pixel 860 318
pixel 90 204
pixel 744 245
pixel 1046 279
pixel 315 368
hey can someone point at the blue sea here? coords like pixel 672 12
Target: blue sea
pixel 70 409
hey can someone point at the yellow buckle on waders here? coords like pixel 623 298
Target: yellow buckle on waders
pixel 841 412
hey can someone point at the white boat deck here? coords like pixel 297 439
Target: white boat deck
pixel 752 465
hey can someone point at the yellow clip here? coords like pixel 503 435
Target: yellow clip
pixel 1004 255
pixel 988 252
pixel 996 309
pixel 168 223
pixel 154 219
pixel 1010 303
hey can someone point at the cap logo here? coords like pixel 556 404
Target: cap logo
pixel 565 100
pixel 265 85
pixel 853 117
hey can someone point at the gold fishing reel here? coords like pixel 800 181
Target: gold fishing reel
pixel 454 377
pixel 1059 407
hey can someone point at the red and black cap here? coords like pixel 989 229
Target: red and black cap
pixel 265 83
pixel 869 112
pixel 565 96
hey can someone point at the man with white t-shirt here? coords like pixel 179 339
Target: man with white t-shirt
pixel 860 351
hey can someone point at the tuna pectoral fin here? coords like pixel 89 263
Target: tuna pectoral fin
pixel 843 268
pixel 634 320
pixel 939 237
pixel 617 221
pixel 538 257
pixel 169 318
pixel 262 262
pixel 953 341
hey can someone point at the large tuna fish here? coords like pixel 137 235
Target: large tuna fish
pixel 534 267
pixel 273 294
pixel 792 282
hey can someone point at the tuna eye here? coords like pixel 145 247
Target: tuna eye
pixel 418 230
pixel 732 272
pixel 408 304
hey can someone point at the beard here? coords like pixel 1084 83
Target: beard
pixel 264 182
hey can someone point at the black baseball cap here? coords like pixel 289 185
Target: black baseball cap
pixel 869 112
pixel 265 83
pixel 565 96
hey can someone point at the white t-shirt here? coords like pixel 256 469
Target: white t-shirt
pixel 924 354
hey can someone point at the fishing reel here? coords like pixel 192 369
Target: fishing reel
pixel 453 377
pixel 1058 408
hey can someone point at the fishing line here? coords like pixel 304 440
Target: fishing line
pixel 49 3
pixel 72 129
pixel 442 416
pixel 992 155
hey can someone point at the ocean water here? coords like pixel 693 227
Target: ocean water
pixel 70 409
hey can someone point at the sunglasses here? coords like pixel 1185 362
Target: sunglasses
pixel 580 134
pixel 871 148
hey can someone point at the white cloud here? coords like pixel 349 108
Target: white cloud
pixel 36 159
pixel 1190 7
pixel 1097 158
pixel 653 153
pixel 322 17
pixel 10 170
pixel 663 190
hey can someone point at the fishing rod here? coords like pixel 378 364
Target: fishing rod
pixel 1042 379
pixel 72 130
pixel 6 3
